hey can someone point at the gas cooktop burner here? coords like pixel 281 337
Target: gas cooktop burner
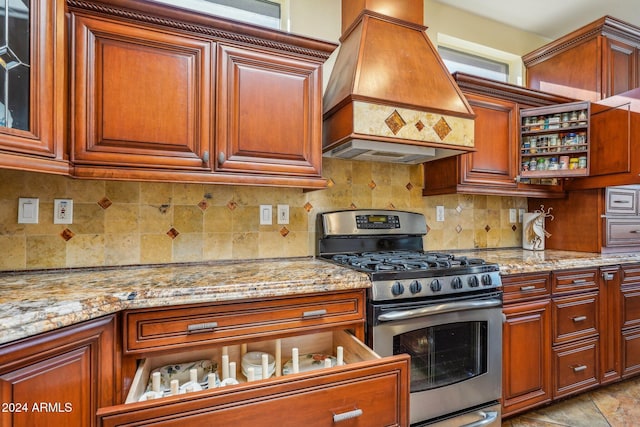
pixel 404 260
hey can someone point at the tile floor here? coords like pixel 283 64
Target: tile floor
pixel 617 405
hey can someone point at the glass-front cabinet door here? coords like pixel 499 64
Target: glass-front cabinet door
pixel 32 101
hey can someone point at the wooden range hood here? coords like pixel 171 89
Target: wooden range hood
pixel 390 96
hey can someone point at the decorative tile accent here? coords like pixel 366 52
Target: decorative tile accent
pixel 308 206
pixel 514 227
pixel 105 202
pixel 395 122
pixel 391 206
pixel 232 205
pixel 353 206
pixel 67 234
pixel 487 228
pixel 409 186
pixel 203 205
pixel 284 231
pixel 330 183
pixel 173 233
pixel 458 228
pixel 419 125
pixel 442 128
pixel 428 228
pixel 459 208
pixel 372 185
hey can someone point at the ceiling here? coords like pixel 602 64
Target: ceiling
pixel 550 18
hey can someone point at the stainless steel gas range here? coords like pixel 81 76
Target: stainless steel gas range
pixel 443 309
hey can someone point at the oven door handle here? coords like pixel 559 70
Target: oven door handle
pixel 488 417
pixel 439 309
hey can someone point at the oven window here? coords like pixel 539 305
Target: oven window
pixel 444 354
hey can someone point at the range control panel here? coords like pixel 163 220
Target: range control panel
pixel 377 221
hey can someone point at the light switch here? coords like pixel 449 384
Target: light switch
pixel 283 214
pixel 28 210
pixel 266 214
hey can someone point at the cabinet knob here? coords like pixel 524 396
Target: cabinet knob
pixel 607 276
pixel 205 157
pixel 221 157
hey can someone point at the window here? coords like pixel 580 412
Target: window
pixel 472 64
pixel 267 13
pixel 480 60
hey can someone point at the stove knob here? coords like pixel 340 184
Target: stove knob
pixel 436 285
pixel 397 289
pixel 456 283
pixel 473 281
pixel 415 287
pixel 486 280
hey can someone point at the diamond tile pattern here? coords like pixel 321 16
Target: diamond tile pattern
pixel 395 122
pixel 442 128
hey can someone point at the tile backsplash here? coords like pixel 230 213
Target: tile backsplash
pixel 121 223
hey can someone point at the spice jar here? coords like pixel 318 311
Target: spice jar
pixel 563 164
pixel 553 164
pixel 582 162
pixel 573 163
pixel 542 164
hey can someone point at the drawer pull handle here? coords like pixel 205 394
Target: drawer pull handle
pixel 314 313
pixel 579 368
pixel 199 327
pixel 607 276
pixel 579 318
pixel 635 231
pixel 347 415
pixel 527 288
pixel 576 281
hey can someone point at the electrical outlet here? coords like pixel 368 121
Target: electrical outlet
pixel 513 216
pixel 520 215
pixel 63 211
pixel 266 214
pixel 440 213
pixel 28 210
pixel 283 214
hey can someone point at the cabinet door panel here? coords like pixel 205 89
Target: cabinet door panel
pixel 266 106
pixel 495 142
pixel 576 367
pixel 621 63
pixel 142 97
pixel 526 356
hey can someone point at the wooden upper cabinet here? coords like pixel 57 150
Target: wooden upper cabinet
pixel 164 93
pixel 267 109
pixel 141 97
pixel 591 63
pixel 32 76
pixel 494 167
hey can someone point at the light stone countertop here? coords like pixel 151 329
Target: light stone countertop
pixel 36 302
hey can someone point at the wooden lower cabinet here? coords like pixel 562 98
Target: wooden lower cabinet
pixel 59 378
pixel 575 367
pixel 630 307
pixel 366 391
pixel 526 356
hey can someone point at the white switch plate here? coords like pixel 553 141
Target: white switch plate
pixel 283 214
pixel 28 210
pixel 513 216
pixel 63 211
pixel 266 214
pixel 520 215
pixel 439 213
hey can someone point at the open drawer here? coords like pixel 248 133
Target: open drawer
pixel 366 391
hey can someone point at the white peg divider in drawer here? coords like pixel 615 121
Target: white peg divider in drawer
pixel 294 360
pixel 225 366
pixel 232 370
pixel 339 356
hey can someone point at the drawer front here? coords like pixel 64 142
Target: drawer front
pixel 575 317
pixel 621 201
pixel 630 275
pixel 631 307
pixel 622 232
pixel 526 287
pixel 574 280
pixel 158 329
pixel 576 367
pixel 364 394
pixel 631 352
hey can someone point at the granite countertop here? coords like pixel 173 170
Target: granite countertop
pixel 35 302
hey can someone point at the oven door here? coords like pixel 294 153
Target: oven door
pixel 455 347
